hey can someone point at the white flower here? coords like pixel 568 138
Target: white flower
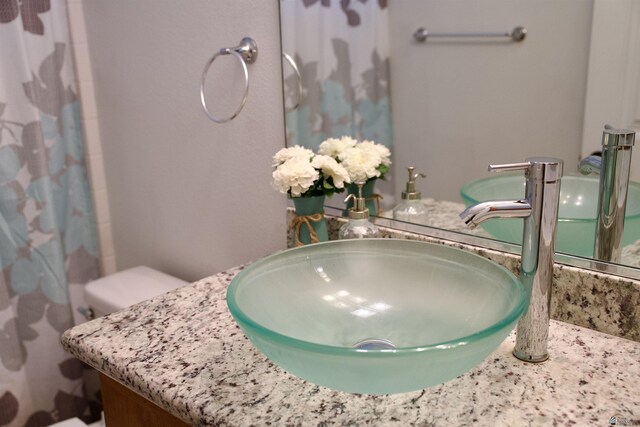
pixel 301 173
pixel 296 175
pixel 363 161
pixel 360 164
pixel 333 147
pixel 380 150
pixel 331 168
pixel 289 153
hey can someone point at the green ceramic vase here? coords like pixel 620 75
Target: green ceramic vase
pixel 309 216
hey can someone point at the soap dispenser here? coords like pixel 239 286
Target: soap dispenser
pixel 411 208
pixel 359 226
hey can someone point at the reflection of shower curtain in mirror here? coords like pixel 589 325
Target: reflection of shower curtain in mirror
pixel 48 243
pixel 342 51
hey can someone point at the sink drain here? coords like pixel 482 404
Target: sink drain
pixel 374 344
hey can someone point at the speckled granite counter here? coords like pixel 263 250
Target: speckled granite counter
pixel 184 352
pixel 444 214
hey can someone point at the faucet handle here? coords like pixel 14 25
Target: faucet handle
pixel 510 167
pixel 548 169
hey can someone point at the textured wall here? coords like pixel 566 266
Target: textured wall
pixel 613 85
pixel 458 106
pixel 187 196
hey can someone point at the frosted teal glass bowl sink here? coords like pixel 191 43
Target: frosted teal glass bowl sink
pixel 377 315
pixel 576 216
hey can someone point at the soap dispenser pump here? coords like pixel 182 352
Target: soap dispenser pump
pixel 359 226
pixel 411 208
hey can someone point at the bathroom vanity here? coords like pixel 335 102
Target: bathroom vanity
pixel 183 352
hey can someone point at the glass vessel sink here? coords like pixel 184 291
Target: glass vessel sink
pixel 576 217
pixel 376 315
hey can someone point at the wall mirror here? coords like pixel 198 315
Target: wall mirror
pixel 449 106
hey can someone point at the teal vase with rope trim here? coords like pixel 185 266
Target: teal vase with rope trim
pixel 309 224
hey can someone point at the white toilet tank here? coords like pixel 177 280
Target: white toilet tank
pixel 76 422
pixel 128 287
pixel 120 290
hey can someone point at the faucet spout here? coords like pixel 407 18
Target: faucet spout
pixel 590 165
pixel 474 215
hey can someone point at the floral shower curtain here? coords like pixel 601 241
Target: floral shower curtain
pixel 341 48
pixel 47 230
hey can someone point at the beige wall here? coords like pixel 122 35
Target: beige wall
pixel 613 85
pixel 458 106
pixel 185 195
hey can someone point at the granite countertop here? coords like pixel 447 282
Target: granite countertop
pixel 184 351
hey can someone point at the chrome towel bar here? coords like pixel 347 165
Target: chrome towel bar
pixel 517 35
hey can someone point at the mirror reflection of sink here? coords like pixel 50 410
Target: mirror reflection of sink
pixel 577 214
pixel 376 315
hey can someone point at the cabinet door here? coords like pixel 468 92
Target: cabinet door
pixel 125 408
pixel 186 195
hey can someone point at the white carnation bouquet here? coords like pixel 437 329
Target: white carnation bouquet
pixel 362 160
pixel 299 172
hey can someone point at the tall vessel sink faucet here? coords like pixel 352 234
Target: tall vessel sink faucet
pixel 539 210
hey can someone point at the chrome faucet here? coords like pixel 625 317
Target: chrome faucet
pixel 614 167
pixel 539 209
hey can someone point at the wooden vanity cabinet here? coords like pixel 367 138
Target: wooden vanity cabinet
pixel 125 408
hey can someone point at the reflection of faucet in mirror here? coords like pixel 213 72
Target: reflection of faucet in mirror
pixel 613 168
pixel 539 209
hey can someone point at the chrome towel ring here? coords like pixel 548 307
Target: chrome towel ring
pixel 247 53
pixel 293 64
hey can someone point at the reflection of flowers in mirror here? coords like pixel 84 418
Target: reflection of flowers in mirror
pixel 301 173
pixel 363 160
